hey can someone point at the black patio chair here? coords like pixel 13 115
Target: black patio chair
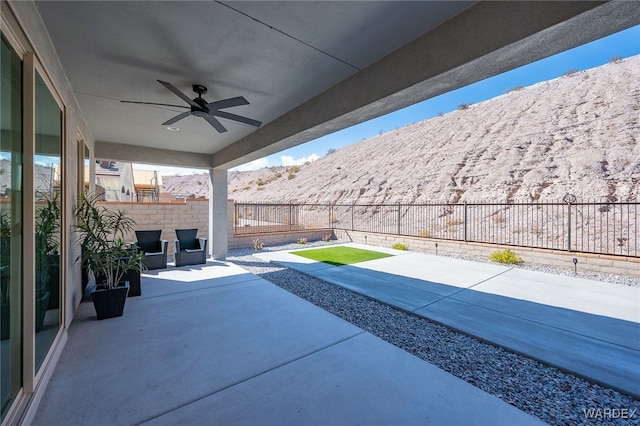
pixel 190 250
pixel 155 249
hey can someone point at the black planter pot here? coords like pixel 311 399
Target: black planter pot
pixel 5 324
pixel 54 281
pixel 42 305
pixel 109 303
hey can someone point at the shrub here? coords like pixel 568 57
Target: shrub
pixel 463 107
pixel 424 233
pixel 302 240
pixel 400 246
pixel 505 256
pixel 257 244
pixel 326 238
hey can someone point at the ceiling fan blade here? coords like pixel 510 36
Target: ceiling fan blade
pixel 153 103
pixel 177 118
pixel 179 93
pixel 215 123
pixel 234 117
pixel 227 103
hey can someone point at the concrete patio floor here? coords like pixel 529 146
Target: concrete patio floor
pixel 585 327
pixel 213 344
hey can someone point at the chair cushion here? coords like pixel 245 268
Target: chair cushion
pixel 149 241
pixel 188 238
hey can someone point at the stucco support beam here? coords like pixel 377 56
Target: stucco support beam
pixel 487 39
pixel 218 224
pixel 145 155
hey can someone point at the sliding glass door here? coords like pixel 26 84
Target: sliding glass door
pixel 48 217
pixel 31 222
pixel 11 155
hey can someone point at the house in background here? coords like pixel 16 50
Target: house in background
pixel 118 181
pixel 147 185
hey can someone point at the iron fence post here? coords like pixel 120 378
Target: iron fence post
pixel 568 226
pixel 399 218
pixel 290 217
pixel 464 220
pixel 353 207
pixel 569 198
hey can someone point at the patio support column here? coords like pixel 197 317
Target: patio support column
pixel 218 226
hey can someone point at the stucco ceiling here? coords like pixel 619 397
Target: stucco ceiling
pixel 275 54
pixel 301 65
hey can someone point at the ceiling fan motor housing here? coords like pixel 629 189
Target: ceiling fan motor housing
pixel 199 89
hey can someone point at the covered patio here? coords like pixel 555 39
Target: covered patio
pixel 214 344
pixel 303 70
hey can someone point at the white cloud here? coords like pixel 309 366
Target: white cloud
pixel 253 165
pixel 287 160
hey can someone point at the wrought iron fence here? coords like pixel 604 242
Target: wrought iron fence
pixel 589 227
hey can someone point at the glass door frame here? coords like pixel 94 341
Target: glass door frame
pixel 30 65
pixel 11 31
pixel 31 377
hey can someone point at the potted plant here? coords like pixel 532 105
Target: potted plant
pixel 105 254
pixel 5 254
pixel 47 257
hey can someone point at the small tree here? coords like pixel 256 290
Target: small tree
pixel 47 239
pixel 101 233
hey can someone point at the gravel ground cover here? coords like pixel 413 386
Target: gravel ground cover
pixel 545 392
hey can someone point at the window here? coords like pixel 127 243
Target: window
pixel 11 154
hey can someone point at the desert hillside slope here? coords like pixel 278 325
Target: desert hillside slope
pixel 576 134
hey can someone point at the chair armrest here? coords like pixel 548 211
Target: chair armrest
pixel 164 245
pixel 177 245
pixel 203 243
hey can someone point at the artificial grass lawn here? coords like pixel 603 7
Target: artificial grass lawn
pixel 339 256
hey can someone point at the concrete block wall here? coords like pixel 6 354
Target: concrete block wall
pixel 168 217
pixel 618 265
pixel 276 238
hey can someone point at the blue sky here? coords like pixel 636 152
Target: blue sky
pixel 623 44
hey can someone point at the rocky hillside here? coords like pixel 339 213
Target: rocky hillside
pixel 576 134
pixel 186 186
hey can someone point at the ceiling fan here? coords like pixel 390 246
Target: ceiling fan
pixel 203 109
